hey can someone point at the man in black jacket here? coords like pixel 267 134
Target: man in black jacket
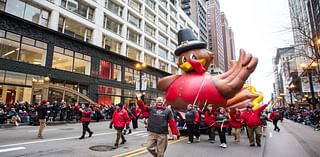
pixel 42 114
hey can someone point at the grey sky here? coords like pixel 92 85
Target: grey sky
pixel 260 27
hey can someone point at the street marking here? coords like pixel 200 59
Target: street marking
pixel 55 129
pixel 141 134
pixel 51 140
pixel 143 150
pixel 11 149
pixel 270 134
pixel 136 132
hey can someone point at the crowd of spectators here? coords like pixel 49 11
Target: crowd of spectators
pixel 24 112
pixel 305 116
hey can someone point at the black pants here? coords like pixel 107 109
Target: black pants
pixel 211 132
pixel 135 123
pixel 197 130
pixel 119 135
pixel 275 123
pixel 222 135
pixel 191 131
pixel 85 128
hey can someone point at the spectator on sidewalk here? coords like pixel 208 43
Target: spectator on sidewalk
pixel 159 118
pixel 42 115
pixel 86 119
pixel 120 120
pixel 275 116
pixel 14 117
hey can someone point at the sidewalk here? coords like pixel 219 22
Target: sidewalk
pixel 294 140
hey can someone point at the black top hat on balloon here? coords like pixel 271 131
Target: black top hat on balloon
pixel 188 41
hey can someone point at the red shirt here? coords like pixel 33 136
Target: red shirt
pixel 120 118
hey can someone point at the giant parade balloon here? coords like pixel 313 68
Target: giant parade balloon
pixel 195 85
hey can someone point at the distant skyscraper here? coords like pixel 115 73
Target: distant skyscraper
pixel 215 38
pixel 196 10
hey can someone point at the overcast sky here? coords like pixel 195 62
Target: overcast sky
pixel 260 27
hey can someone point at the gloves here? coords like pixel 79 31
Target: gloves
pixel 110 126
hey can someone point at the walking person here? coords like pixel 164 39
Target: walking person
pixel 159 118
pixel 236 124
pixel 42 114
pixel 264 119
pixel 86 119
pixel 130 118
pixel 275 116
pixel 252 120
pixel 197 123
pixel 209 121
pixel 222 125
pixel 192 118
pixel 120 120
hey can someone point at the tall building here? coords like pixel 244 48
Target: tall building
pixel 196 10
pixel 314 16
pixel 89 46
pixel 215 38
pixel 228 42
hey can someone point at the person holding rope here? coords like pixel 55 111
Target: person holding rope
pixel 209 120
pixel 192 119
pixel 222 125
pixel 236 124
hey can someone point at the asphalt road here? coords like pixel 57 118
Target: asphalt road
pixel 294 140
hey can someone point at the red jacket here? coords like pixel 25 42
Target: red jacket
pixel 236 121
pixel 138 112
pixel 86 115
pixel 120 119
pixel 275 115
pixel 209 118
pixel 252 118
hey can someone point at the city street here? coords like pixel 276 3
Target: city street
pixel 294 140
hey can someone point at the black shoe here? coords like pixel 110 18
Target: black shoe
pixel 124 141
pixel 90 134
pixel 252 145
pixel 129 131
pixel 115 146
pixel 258 144
pixel 82 137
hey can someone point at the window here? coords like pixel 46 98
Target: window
pixel 149 16
pixel 162 39
pixel 149 30
pixel 24 49
pixel 2 6
pixel 134 20
pixel 162 13
pixel 173 45
pixel 149 60
pixel 162 26
pixel 112 25
pixel 173 34
pixel 27 11
pixel 173 58
pixel 163 53
pixel 173 11
pixel 150 3
pixel 133 36
pixel 163 3
pixel 108 95
pixel 68 60
pixel 78 7
pixel 15 78
pixel 128 76
pixel 113 7
pixel 163 66
pixel 149 45
pixel 174 70
pixel 109 71
pixel 74 29
pixel 133 53
pixel 111 44
pixel 173 23
pixel 135 5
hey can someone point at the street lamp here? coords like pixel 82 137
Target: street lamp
pixel 140 67
pixel 291 88
pixel 309 69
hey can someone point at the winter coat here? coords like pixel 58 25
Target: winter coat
pixel 252 118
pixel 236 121
pixel 222 120
pixel 209 118
pixel 120 119
pixel 86 115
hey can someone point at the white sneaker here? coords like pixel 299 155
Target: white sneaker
pixel 224 145
pixel 198 139
pixel 221 145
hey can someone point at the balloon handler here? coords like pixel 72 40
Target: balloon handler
pixel 195 86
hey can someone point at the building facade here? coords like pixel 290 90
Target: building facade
pixel 228 42
pixel 196 10
pixel 215 38
pixel 90 46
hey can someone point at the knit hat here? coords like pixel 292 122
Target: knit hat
pixel 120 105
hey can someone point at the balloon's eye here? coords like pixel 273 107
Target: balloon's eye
pixel 183 59
pixel 192 56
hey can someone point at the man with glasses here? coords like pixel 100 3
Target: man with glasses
pixel 159 118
